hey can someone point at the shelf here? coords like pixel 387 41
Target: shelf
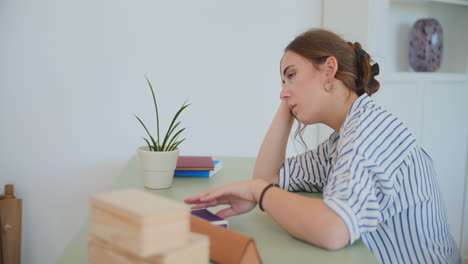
pixel 384 28
pixel 451 14
pixel 452 2
pixel 423 76
pixel 455 2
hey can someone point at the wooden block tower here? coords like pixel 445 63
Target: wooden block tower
pixel 134 226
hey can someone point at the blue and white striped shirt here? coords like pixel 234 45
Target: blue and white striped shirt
pixel 375 176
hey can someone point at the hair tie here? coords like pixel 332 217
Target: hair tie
pixel 359 66
pixel 375 70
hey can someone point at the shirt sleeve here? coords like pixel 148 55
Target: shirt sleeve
pixel 351 194
pixel 305 172
pixel 362 188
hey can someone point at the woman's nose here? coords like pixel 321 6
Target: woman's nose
pixel 284 94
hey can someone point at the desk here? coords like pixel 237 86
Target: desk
pixel 273 243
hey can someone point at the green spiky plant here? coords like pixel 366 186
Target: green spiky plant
pixel 171 140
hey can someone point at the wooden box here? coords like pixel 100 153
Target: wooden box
pixel 140 222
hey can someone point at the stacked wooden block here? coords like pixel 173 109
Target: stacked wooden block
pixel 133 226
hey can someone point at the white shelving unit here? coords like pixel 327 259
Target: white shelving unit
pixel 383 27
pixel 454 20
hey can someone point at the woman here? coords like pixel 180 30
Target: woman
pixel 378 184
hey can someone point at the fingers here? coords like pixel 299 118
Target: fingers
pixel 227 212
pixel 191 200
pixel 199 206
pixel 206 205
pixel 195 199
pixel 213 195
pixel 206 196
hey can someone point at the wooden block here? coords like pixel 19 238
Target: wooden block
pixel 139 222
pixel 195 251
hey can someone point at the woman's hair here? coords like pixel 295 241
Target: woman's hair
pixel 354 68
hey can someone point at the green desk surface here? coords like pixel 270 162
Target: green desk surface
pixel 273 243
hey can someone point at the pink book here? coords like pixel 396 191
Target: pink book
pixel 195 163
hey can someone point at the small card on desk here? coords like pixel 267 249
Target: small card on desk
pixel 210 217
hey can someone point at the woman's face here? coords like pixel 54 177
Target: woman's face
pixel 302 87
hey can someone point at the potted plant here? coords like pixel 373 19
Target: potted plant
pixel 158 159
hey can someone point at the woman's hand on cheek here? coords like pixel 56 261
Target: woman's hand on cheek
pixel 238 195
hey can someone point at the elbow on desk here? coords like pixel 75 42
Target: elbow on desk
pixel 330 243
pixel 331 238
pixel 333 244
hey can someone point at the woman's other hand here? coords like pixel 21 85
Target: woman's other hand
pixel 241 196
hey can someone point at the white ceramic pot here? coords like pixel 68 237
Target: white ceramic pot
pixel 157 167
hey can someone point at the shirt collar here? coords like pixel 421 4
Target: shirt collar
pixel 357 106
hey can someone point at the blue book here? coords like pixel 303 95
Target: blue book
pixel 218 165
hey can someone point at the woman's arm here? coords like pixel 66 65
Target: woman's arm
pixel 271 155
pixel 308 219
pixel 305 218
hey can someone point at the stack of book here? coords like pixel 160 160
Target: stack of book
pixel 197 166
pixel 133 226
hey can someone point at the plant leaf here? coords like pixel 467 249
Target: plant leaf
pixel 175 118
pixel 151 137
pixel 176 145
pixel 149 145
pixel 168 134
pixel 155 107
pixel 174 138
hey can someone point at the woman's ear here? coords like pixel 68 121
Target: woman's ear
pixel 331 67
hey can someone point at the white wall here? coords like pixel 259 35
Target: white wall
pixel 72 75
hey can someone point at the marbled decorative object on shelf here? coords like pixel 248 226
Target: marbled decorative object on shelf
pixel 425 45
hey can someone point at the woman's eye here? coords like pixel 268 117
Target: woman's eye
pixel 291 75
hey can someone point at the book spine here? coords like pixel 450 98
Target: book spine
pixel 192 173
pixel 195 173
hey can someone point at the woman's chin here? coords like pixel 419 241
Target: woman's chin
pixel 305 122
pixel 302 121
